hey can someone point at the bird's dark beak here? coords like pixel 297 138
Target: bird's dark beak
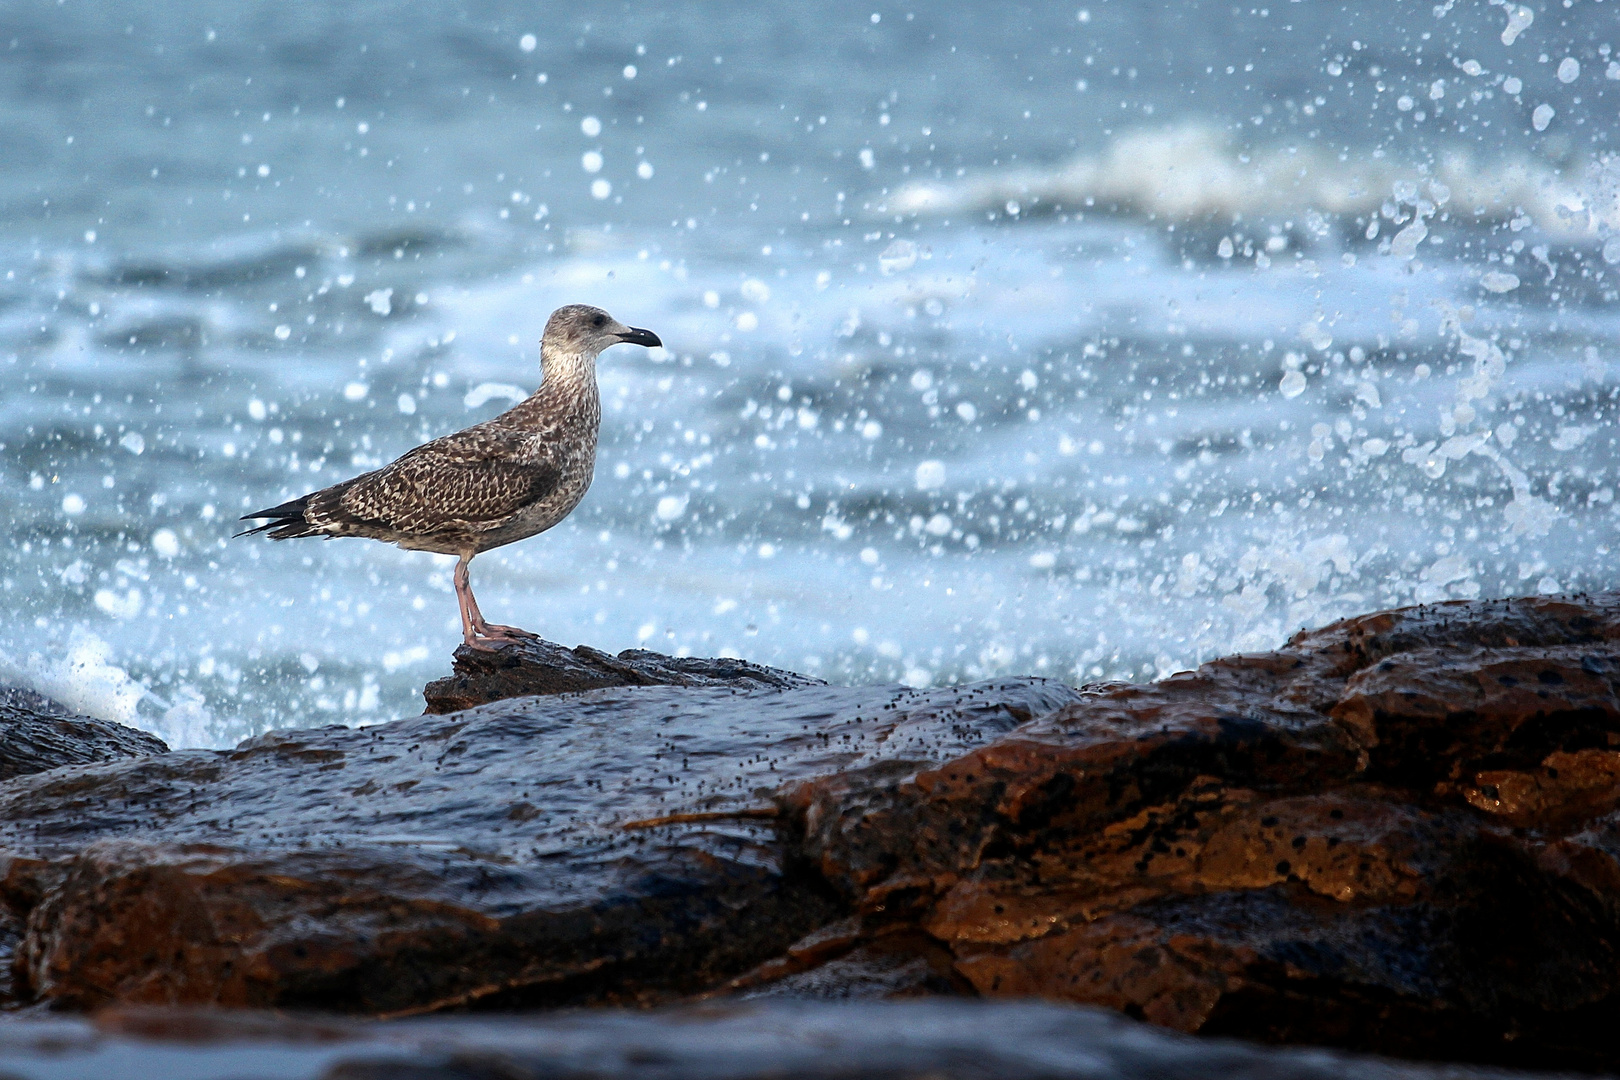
pixel 637 336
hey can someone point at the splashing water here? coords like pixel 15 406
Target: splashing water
pixel 969 368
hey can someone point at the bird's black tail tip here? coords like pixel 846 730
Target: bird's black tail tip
pixel 286 521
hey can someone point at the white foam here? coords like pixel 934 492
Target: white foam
pixel 1194 171
pixel 188 722
pixel 82 677
pixel 1526 514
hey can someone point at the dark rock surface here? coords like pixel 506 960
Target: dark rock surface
pixel 37 734
pixel 755 1041
pixel 1400 833
pixel 23 698
pixel 1396 833
pixel 541 667
pixel 493 856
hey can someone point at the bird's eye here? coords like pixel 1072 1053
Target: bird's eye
pixel 599 321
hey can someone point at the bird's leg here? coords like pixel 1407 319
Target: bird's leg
pixel 464 599
pixel 475 631
pixel 495 631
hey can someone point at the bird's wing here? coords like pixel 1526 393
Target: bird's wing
pixel 475 477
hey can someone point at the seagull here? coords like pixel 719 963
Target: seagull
pixel 494 483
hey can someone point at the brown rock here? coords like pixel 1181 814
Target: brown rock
pixel 541 667
pixel 37 734
pixel 592 847
pixel 1452 706
pixel 1399 833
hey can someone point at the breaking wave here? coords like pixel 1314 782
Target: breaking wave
pixel 1193 172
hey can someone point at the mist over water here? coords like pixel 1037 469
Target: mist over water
pixel 1091 341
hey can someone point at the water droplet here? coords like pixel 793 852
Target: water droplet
pixel 930 475
pixel 899 255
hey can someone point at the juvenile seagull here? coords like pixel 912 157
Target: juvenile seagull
pixel 496 482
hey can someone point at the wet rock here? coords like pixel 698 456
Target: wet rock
pixel 23 698
pixel 11 929
pixel 542 667
pixel 37 733
pixel 616 845
pixel 809 1040
pixel 1397 833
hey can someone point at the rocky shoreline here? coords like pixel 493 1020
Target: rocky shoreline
pixel 1399 834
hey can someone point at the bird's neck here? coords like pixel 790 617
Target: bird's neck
pixel 568 384
pixel 568 373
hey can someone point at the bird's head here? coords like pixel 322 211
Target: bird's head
pixel 584 331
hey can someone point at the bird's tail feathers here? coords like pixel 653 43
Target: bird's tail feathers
pixel 287 522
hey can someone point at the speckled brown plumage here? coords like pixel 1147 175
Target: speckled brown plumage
pixel 494 483
pixel 467 491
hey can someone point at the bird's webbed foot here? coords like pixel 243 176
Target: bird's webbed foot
pixel 494 635
pixel 515 633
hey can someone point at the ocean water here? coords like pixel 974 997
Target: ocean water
pixel 1089 340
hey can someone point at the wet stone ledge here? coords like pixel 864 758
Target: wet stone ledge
pixel 1399 833
pixel 619 845
pixel 541 667
pixel 37 733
